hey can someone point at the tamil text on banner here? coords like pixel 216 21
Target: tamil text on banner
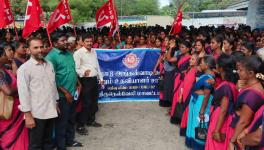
pixel 128 75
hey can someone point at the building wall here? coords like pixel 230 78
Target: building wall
pixel 255 15
pixel 228 21
pixel 160 20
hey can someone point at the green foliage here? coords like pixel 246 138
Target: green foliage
pixel 18 6
pixel 85 10
pixel 82 10
pixel 137 7
pixel 195 5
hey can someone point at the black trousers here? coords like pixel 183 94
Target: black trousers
pixel 169 78
pixel 40 137
pixel 89 97
pixel 65 124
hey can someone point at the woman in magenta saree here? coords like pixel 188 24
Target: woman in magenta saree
pixel 222 105
pixel 187 84
pixel 182 66
pixel 249 100
pixel 13 133
pixel 252 138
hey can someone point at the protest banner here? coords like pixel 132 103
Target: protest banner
pixel 128 74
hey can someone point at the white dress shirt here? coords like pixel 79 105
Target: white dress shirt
pixel 87 60
pixel 37 89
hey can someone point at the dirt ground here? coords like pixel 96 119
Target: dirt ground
pixel 132 126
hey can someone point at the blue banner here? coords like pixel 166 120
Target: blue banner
pixel 128 74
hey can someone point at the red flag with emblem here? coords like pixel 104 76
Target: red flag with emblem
pixel 177 24
pixel 60 16
pixel 6 15
pixel 104 15
pixel 32 20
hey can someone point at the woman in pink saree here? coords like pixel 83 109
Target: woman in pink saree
pixel 13 133
pixel 187 84
pixel 182 65
pixel 222 105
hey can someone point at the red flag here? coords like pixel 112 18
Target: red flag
pixel 114 23
pixel 60 16
pixel 32 19
pixel 5 14
pixel 177 24
pixel 105 14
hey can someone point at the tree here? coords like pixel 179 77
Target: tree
pixel 196 5
pixel 137 7
pixel 146 7
pixel 85 10
pixel 82 10
pixel 18 7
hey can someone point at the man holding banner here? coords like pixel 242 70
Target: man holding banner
pixel 88 69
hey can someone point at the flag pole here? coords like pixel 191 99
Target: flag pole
pixel 74 29
pixel 118 30
pixel 119 38
pixel 46 26
pixel 15 28
pixel 49 36
pixel 14 21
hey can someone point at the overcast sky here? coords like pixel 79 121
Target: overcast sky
pixel 164 2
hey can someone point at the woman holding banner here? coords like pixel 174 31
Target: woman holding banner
pixel 169 67
pixel 160 63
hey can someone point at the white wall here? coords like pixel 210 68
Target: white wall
pixel 160 20
pixel 229 21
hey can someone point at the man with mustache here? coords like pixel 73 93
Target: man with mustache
pixel 88 69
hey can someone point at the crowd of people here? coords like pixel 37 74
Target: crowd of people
pixel 212 84
pixel 46 84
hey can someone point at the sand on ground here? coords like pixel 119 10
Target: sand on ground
pixel 132 126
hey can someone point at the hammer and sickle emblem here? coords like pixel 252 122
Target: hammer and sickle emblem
pixel 57 16
pixel 102 16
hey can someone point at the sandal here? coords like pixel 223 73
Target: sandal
pixel 82 131
pixel 75 144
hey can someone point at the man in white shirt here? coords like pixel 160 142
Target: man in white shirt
pixel 88 69
pixel 38 95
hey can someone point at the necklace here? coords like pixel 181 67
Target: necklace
pixel 251 85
